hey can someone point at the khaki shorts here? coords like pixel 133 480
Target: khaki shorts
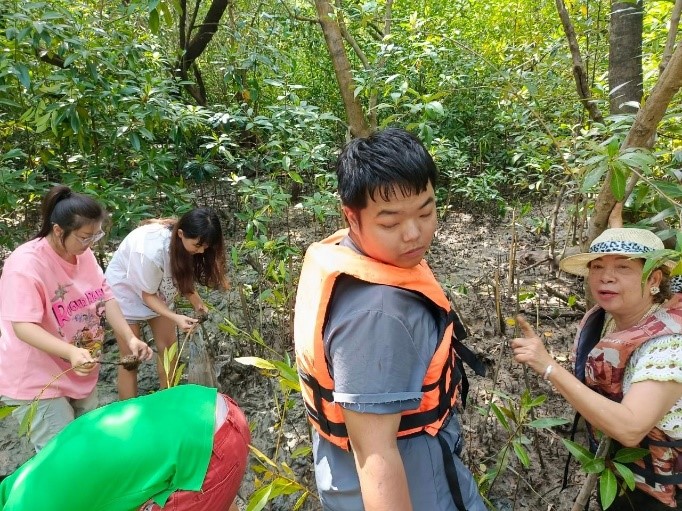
pixel 52 415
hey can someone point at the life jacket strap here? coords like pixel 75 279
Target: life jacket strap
pixel 451 475
pixel 647 471
pixel 336 429
pixel 319 393
pixel 652 477
pixel 464 353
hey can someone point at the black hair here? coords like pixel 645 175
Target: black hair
pixel 69 210
pixel 381 162
pixel 208 268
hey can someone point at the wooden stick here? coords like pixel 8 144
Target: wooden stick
pixel 591 481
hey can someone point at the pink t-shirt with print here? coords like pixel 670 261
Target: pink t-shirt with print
pixel 67 300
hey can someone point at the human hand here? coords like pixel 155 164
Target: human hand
pixel 82 361
pixel 530 349
pixel 201 309
pixel 140 349
pixel 185 323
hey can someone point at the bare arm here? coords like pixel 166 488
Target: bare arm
pixel 31 333
pixel 122 329
pixel 159 306
pixel 197 303
pixel 629 421
pixel 378 462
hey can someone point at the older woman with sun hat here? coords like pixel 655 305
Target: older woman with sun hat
pixel 628 362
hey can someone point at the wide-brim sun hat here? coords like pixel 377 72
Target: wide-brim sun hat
pixel 625 241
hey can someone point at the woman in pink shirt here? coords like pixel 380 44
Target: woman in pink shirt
pixel 53 304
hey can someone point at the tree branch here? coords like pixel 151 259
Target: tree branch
pixel 373 100
pixel 342 69
pixel 49 58
pixel 579 72
pixel 378 34
pixel 295 16
pixel 387 18
pixel 672 36
pixel 348 37
pixel 195 13
pixel 204 34
pixel 201 86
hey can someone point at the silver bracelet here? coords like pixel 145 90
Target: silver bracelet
pixel 548 371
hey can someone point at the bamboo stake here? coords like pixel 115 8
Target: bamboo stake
pixel 512 253
pixel 536 438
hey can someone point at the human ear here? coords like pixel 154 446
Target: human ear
pixel 181 234
pixel 655 278
pixel 352 217
pixel 57 231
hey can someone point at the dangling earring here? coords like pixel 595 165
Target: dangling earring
pixel 655 290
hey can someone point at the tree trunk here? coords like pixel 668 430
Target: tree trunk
pixel 641 134
pixel 625 56
pixel 334 39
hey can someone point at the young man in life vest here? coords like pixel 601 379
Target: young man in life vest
pixel 374 348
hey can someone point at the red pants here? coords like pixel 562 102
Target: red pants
pixel 225 469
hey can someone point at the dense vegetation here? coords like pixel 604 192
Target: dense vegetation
pixel 153 105
pixel 122 100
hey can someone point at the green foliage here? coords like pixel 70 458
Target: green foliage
pixel 607 468
pixel 274 475
pixel 172 367
pixel 516 418
pixel 27 420
pixel 657 258
pixel 88 97
pixel 95 111
pixel 6 411
pixel 280 482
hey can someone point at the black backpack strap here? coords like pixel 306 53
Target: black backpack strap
pixel 574 428
pixel 451 474
pixel 590 334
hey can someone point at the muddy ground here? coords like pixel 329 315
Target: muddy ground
pixel 469 255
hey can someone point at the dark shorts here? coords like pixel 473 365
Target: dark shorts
pixel 225 469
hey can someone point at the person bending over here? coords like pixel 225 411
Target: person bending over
pixel 117 458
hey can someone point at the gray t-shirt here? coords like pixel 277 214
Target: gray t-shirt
pixel 379 341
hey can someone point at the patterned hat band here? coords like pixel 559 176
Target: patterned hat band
pixel 628 247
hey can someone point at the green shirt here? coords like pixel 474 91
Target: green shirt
pixel 119 456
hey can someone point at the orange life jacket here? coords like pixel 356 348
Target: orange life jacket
pixel 601 366
pixel 324 263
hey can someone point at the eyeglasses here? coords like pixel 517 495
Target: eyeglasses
pixel 90 239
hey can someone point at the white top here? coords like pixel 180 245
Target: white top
pixel 142 263
pixel 659 359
